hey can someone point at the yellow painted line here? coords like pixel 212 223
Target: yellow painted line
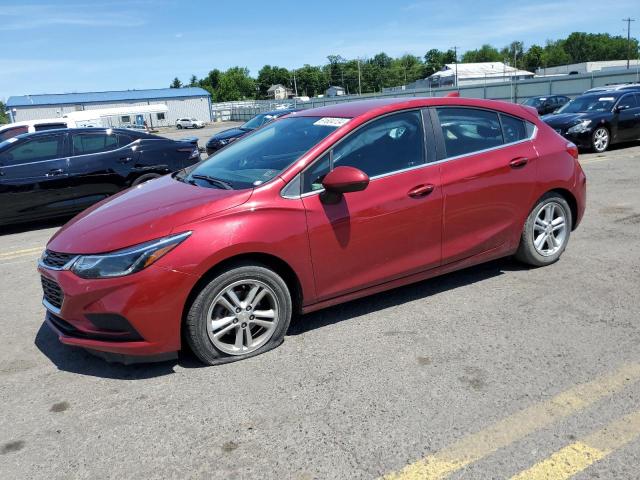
pixel 21 252
pixel 580 455
pixel 478 445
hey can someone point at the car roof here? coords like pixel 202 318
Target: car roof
pixel 124 131
pixel 378 106
pixel 280 112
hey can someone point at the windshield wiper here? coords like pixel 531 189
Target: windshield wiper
pixel 214 181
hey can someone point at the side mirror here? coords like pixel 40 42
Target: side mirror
pixel 342 180
pixel 620 108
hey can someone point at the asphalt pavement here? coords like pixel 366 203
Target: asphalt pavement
pixel 497 371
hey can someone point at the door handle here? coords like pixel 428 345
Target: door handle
pixel 54 172
pixel 518 162
pixel 421 191
pixel 124 159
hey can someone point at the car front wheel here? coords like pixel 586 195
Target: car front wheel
pixel 240 313
pixel 179 127
pixel 546 231
pixel 600 139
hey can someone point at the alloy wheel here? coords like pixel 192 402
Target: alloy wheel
pixel 600 139
pixel 242 317
pixel 550 229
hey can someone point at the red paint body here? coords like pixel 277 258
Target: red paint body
pixel 402 228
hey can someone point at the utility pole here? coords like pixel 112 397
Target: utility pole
pixel 359 80
pixel 295 84
pixel 455 52
pixel 628 20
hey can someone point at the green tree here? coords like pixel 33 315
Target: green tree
pixel 555 54
pixel 513 54
pixel 435 59
pixel 235 84
pixel 311 80
pixel 176 83
pixel 534 58
pixel 4 118
pixel 193 81
pixel 486 53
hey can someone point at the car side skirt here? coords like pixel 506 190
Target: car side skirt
pixel 503 250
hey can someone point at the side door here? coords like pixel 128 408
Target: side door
pixel 488 177
pixel 34 179
pixel 392 228
pixel 628 113
pixel 98 165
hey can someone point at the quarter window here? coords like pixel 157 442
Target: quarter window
pixel 468 130
pixel 39 149
pixel 514 129
pixel 84 144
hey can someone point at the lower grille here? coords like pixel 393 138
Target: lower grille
pixel 52 292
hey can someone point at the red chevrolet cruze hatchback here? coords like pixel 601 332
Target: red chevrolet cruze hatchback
pixel 320 207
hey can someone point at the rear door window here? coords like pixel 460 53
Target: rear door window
pixel 34 150
pixel 469 130
pixel 87 143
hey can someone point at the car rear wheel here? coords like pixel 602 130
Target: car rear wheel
pixel 546 231
pixel 144 178
pixel 600 139
pixel 179 127
pixel 241 313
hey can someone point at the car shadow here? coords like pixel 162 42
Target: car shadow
pixel 398 296
pixel 79 361
pixel 36 225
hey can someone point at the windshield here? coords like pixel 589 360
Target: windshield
pixel 591 103
pixel 533 102
pixel 257 158
pixel 258 121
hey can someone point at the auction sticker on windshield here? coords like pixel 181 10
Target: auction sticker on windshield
pixel 331 122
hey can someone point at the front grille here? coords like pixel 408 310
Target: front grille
pixel 55 259
pixel 52 292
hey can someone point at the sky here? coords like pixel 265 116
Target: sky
pixel 49 46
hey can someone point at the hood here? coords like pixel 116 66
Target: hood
pixel 151 210
pixel 226 134
pixel 565 120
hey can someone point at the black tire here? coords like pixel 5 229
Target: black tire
pixel 145 178
pixel 179 127
pixel 599 147
pixel 196 321
pixel 527 251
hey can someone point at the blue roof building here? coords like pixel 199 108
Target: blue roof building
pixel 181 102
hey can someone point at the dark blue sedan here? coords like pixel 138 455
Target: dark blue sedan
pixel 225 137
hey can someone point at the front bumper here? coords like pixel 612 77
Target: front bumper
pixel 581 140
pixel 136 315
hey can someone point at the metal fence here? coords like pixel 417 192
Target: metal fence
pixel 513 91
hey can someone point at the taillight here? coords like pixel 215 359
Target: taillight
pixel 572 149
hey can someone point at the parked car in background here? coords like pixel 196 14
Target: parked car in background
pixel 61 172
pixel 618 87
pixel 225 137
pixel 598 120
pixel 312 210
pixel 29 126
pixel 189 123
pixel 546 104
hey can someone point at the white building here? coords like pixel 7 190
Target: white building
pixel 180 102
pixel 587 67
pixel 475 73
pixel 334 91
pixel 279 92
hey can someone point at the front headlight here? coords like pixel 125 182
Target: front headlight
pixel 581 127
pixel 126 261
